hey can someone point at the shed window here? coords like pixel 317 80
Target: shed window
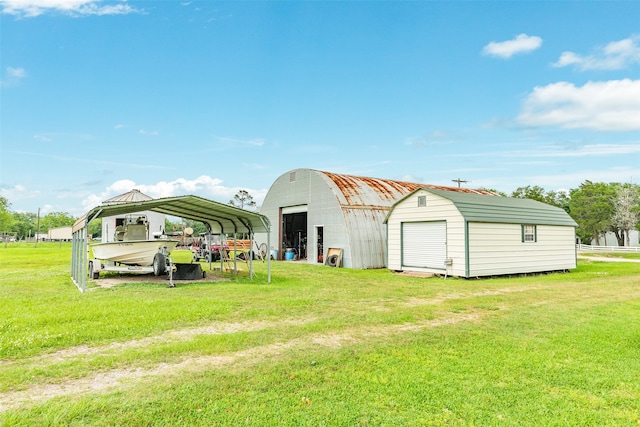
pixel 529 234
pixel 422 201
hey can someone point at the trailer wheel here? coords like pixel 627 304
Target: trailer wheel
pixel 159 264
pixel 93 274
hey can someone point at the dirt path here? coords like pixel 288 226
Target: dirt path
pixel 218 328
pixel 127 377
pixel 118 378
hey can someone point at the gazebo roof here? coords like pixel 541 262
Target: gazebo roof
pixel 128 197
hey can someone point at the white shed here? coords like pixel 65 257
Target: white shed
pixel 473 235
pixel 60 234
pixel 109 224
pixel 317 213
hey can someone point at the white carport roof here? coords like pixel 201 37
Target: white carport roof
pixel 221 218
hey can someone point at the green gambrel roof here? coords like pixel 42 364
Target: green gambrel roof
pixel 483 208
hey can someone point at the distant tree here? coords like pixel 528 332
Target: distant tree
pixel 24 224
pixel 54 220
pixel 197 226
pixel 626 212
pixel 95 228
pixel 562 200
pixel 242 200
pixel 529 192
pixel 179 226
pixel 559 199
pixel 592 209
pixel 6 219
pixel 169 227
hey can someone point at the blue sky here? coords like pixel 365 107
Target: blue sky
pixel 206 98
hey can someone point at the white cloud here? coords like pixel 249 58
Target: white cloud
pixel 18 192
pixel 612 105
pixel 46 209
pixel 614 56
pixel 42 137
pixel 589 150
pixel 506 49
pixel 32 8
pixel 203 186
pixel 16 73
pixel 574 179
pixel 13 76
pixel 258 142
pixel 435 137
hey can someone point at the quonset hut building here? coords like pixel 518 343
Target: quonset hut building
pixel 315 214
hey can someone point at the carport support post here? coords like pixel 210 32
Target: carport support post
pixel 269 256
pixel 84 267
pixel 79 256
pixel 250 255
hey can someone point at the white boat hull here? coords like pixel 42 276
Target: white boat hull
pixel 134 252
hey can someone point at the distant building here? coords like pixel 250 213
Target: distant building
pixel 60 234
pixel 40 236
pixel 611 240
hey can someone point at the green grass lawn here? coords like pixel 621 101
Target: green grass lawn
pixel 318 346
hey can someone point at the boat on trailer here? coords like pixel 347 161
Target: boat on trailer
pixel 132 250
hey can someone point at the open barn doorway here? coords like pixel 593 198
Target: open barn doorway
pixel 294 235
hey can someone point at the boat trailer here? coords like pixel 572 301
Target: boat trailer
pixel 162 264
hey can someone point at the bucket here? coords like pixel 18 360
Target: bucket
pixel 274 254
pixel 289 254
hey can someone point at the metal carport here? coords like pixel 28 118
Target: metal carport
pixel 218 217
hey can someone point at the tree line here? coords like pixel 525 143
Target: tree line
pixel 596 207
pixel 22 225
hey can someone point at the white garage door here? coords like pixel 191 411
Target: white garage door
pixel 424 244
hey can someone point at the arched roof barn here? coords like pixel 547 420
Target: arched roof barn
pixel 316 213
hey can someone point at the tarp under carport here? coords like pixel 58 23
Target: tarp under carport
pixel 220 218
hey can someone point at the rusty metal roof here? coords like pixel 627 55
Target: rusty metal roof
pixel 365 191
pixel 128 197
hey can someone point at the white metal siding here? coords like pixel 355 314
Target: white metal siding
pixel 309 190
pixel 60 233
pixel 367 237
pixel 324 209
pixel 437 209
pixel 424 244
pixel 156 224
pixel 496 249
pixel 352 216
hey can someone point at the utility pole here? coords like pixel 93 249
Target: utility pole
pixel 38 229
pixel 459 181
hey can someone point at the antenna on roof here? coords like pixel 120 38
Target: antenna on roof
pixel 459 181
